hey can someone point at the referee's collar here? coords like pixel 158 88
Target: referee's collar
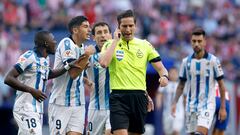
pixel 205 55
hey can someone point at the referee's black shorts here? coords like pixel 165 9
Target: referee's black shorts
pixel 128 109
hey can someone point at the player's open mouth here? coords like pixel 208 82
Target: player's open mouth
pixel 128 35
pixel 103 40
pixel 88 35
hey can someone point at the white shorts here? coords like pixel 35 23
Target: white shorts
pixel 171 124
pixel 64 119
pixel 29 123
pixel 202 118
pixel 98 121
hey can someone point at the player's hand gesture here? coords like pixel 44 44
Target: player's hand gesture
pixel 89 50
pixel 222 114
pixel 173 109
pixel 117 34
pixel 38 95
pixel 88 83
pixel 74 64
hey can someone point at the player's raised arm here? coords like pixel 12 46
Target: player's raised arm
pixel 107 52
pixel 82 62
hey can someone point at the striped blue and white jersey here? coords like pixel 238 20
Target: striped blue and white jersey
pixel 99 96
pixel 34 70
pixel 67 91
pixel 200 76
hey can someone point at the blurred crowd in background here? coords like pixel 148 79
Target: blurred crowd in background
pixel 167 24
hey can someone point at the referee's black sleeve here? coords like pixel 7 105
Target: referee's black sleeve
pixel 155 59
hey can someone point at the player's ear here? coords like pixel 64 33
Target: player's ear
pixel 45 44
pixel 75 30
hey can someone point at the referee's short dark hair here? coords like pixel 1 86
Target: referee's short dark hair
pixel 125 14
pixel 100 24
pixel 198 31
pixel 76 21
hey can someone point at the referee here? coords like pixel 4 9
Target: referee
pixel 127 58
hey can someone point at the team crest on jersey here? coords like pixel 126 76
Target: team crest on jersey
pixel 68 53
pixel 139 53
pixel 67 42
pixel 119 55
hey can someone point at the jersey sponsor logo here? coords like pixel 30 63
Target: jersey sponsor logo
pixel 119 55
pixel 40 67
pixel 68 53
pixel 21 60
pixel 139 53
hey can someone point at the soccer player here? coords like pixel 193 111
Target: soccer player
pixel 67 101
pixel 220 126
pixel 199 72
pixel 98 113
pixel 29 77
pixel 164 98
pixel 127 58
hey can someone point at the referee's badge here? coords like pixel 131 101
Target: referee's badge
pixel 139 53
pixel 119 54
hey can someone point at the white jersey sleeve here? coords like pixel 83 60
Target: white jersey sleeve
pixel 34 70
pixel 183 70
pixel 24 61
pixel 218 72
pixel 67 50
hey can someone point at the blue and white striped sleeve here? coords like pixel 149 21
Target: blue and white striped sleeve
pixel 24 62
pixel 67 50
pixel 217 68
pixel 183 70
